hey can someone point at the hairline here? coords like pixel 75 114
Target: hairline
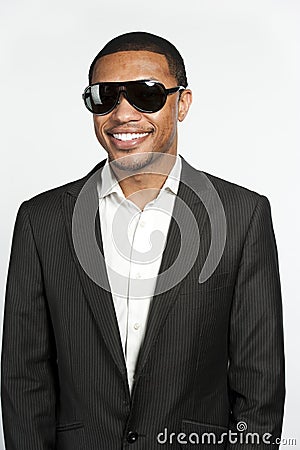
pixel 134 50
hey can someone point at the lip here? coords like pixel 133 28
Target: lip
pixel 127 145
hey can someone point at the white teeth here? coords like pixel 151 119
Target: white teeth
pixel 129 136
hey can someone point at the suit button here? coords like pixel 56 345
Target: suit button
pixel 132 437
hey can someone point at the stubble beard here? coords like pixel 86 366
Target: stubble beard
pixel 133 162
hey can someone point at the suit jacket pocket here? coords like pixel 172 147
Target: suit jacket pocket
pixel 69 426
pixel 70 436
pixel 215 282
pixel 203 435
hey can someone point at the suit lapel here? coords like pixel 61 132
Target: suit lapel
pixel 99 298
pixel 165 296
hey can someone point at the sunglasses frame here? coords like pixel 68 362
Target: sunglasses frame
pixel 122 88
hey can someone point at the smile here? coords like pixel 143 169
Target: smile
pixel 129 136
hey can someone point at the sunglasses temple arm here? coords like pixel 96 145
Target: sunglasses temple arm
pixel 175 89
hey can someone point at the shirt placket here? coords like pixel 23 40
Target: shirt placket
pixel 137 306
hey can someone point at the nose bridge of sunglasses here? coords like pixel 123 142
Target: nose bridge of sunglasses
pixel 122 93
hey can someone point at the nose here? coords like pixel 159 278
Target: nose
pixel 124 111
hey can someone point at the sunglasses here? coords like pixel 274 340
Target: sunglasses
pixel 146 96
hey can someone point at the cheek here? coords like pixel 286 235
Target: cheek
pixel 166 119
pixel 171 116
pixel 98 127
pixel 97 124
pixel 169 124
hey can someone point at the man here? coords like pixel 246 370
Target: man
pixel 178 349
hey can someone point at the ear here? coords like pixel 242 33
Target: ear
pixel 184 104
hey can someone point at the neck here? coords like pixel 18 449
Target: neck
pixel 144 184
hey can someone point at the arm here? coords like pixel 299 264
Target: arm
pixel 28 352
pixel 256 371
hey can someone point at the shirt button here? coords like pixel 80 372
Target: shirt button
pixel 142 224
pixel 138 275
pixel 136 326
pixel 132 437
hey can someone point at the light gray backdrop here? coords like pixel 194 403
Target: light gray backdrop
pixel 242 60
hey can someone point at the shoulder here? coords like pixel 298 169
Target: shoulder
pixel 239 200
pixel 230 190
pixel 50 200
pixel 239 204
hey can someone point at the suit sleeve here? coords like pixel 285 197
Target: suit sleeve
pixel 256 368
pixel 28 376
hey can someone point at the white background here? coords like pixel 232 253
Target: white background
pixel 242 60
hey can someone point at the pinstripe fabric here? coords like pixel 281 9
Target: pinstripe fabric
pixel 212 354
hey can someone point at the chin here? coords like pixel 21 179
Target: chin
pixel 132 160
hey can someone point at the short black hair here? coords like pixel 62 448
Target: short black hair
pixel 141 41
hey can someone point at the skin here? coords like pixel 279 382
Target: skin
pixel 146 152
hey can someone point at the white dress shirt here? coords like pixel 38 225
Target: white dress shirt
pixel 133 245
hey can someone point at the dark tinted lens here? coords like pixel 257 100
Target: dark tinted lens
pixel 101 98
pixel 147 96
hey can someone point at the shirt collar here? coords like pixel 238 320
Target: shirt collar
pixel 108 183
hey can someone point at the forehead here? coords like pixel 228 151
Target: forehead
pixel 133 65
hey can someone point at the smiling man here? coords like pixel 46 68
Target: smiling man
pixel 173 338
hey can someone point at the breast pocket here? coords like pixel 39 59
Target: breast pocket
pixel 215 282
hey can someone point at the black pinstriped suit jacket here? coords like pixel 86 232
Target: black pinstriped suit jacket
pixel 212 354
